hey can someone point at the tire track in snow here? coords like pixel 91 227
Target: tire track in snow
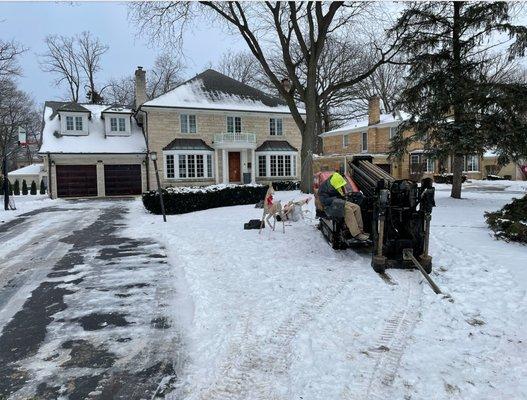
pixel 391 342
pixel 241 374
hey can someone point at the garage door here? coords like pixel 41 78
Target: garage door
pixel 122 179
pixel 76 180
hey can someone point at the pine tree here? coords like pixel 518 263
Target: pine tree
pixel 16 188
pixel 24 187
pixel 33 189
pixel 454 104
pixel 42 187
pixel 10 189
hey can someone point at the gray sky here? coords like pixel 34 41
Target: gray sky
pixel 29 23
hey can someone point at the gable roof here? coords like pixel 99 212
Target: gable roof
pixel 95 142
pixel 276 145
pixel 188 144
pixel 361 124
pixel 31 169
pixel 215 91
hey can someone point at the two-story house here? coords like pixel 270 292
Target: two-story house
pixel 214 129
pixel 92 150
pixel 372 136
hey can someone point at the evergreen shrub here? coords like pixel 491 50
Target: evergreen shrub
pixel 510 223
pixel 24 187
pixel 42 187
pixel 33 189
pixel 286 185
pixel 447 178
pixel 185 200
pixel 16 188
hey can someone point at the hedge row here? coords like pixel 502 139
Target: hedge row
pixel 185 200
pixel 447 178
pixel 510 223
pixel 286 185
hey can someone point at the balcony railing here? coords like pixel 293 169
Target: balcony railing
pixel 238 137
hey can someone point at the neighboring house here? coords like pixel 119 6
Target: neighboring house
pixel 214 129
pixel 31 173
pixel 92 150
pixel 372 136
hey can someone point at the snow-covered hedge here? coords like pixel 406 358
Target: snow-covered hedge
pixel 510 223
pixel 187 199
pixel 447 178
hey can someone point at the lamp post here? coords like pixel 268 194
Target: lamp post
pixel 153 157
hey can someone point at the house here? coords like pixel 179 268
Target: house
pixel 30 173
pixel 214 129
pixel 372 136
pixel 92 150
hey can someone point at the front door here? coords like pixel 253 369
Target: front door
pixel 234 167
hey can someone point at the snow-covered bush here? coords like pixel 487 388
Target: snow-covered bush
pixel 188 199
pixel 447 178
pixel 510 223
pixel 286 185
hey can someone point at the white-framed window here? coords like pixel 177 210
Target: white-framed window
pixel 234 124
pixel 364 141
pixel 471 163
pixel 69 123
pixel 276 126
pixel 393 131
pixel 78 123
pixel 430 164
pixel 117 124
pixel 180 164
pixel 345 140
pixel 415 159
pixel 188 123
pixel 276 164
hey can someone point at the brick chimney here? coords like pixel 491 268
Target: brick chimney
pixel 140 87
pixel 374 110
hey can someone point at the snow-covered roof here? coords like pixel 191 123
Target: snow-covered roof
pixel 212 90
pixel 490 154
pixel 32 169
pixel 358 125
pixel 95 142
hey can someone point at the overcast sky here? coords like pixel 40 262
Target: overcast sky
pixel 30 23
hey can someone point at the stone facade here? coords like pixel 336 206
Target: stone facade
pixel 163 125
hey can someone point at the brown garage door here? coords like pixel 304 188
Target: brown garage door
pixel 122 179
pixel 76 180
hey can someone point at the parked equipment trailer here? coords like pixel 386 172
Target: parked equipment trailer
pixel 396 214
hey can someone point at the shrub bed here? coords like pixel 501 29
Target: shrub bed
pixel 185 200
pixel 447 178
pixel 286 185
pixel 510 223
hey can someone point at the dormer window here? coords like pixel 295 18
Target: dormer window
pixel 118 124
pixel 74 123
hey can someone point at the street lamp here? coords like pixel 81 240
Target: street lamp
pixel 153 157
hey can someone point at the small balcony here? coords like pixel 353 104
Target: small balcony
pixel 233 140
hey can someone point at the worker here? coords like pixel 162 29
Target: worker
pixel 334 188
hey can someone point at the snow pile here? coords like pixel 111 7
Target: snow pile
pixel 95 142
pixel 209 188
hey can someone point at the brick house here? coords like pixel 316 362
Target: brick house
pixel 214 129
pixel 372 136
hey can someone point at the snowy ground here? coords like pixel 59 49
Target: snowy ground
pixel 24 204
pixel 283 316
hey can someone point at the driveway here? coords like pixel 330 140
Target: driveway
pixel 83 309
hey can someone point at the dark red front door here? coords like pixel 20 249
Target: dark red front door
pixel 122 179
pixel 234 167
pixel 76 180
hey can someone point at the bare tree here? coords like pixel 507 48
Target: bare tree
pixel 9 53
pixel 287 25
pixel 243 67
pixel 120 91
pixel 75 61
pixel 165 75
pixel 90 51
pixel 17 110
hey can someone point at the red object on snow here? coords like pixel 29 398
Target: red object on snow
pixel 270 200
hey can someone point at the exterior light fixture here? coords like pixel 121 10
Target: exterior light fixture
pixel 153 155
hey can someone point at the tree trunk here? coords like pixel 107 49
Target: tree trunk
pixel 457 167
pixel 306 154
pixel 457 178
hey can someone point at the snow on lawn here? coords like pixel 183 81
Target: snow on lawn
pixel 283 316
pixel 23 205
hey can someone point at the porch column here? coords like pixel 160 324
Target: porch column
pixel 253 166
pixel 224 166
pixel 101 190
pixel 216 166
